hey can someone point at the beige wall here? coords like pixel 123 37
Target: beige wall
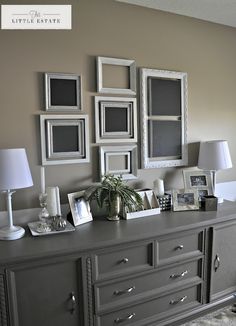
pixel 206 51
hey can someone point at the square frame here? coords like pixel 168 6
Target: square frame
pixel 48 126
pixel 80 208
pixel 50 92
pixel 130 154
pixel 102 106
pixel 185 200
pixel 116 62
pixel 200 180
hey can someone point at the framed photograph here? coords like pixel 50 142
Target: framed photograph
pixel 200 180
pixel 119 160
pixel 63 92
pixel 80 208
pixel 115 119
pixel 64 139
pixel 185 199
pixel 123 69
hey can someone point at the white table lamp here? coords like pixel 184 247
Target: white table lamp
pixel 14 174
pixel 214 155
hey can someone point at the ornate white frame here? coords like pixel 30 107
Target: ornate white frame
pixel 130 151
pixel 187 207
pixel 104 103
pixel 148 162
pixel 116 62
pixel 47 83
pixel 49 157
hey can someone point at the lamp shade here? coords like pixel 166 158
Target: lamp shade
pixel 214 155
pixel 14 169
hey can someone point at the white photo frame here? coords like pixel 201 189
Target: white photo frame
pixel 185 199
pixel 115 119
pixel 119 160
pixel 64 139
pixel 63 92
pixel 163 118
pixel 200 180
pixel 116 62
pixel 80 208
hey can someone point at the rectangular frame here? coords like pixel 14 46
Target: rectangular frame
pixel 48 77
pixel 148 117
pixel 181 200
pixel 117 62
pixel 102 104
pixel 203 182
pixel 52 157
pixel 80 208
pixel 127 151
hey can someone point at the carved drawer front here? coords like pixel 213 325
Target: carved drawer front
pixel 130 259
pixel 157 308
pixel 172 249
pixel 114 294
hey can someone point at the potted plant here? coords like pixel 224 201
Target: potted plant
pixel 113 193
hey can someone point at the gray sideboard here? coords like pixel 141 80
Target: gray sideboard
pixel 157 270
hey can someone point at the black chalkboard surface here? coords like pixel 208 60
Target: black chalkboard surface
pixel 63 92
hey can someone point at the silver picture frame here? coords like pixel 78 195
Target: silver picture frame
pixel 130 64
pixel 115 119
pixel 80 208
pixel 63 92
pixel 200 180
pixel 64 139
pixel 185 199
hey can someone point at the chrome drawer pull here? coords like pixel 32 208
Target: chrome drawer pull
pixel 119 292
pixel 173 302
pixel 179 247
pixel 124 260
pixel 179 275
pixel 122 320
pixel 73 302
pixel 217 262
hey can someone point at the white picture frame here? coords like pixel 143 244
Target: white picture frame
pixel 164 135
pixel 115 119
pixel 119 160
pixel 130 64
pixel 63 92
pixel 64 139
pixel 80 208
pixel 185 199
pixel 200 180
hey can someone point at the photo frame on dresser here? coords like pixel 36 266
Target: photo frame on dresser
pixel 115 119
pixel 120 66
pixel 64 139
pixel 80 208
pixel 200 180
pixel 185 199
pixel 119 160
pixel 62 92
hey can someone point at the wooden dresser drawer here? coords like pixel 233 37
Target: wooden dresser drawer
pixel 172 249
pixel 154 309
pixel 123 261
pixel 111 294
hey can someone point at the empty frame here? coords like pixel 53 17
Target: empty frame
pixel 115 119
pixel 64 139
pixel 119 160
pixel 62 92
pixel 164 118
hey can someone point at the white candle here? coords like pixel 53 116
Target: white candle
pixel 42 178
pixel 159 187
pixel 58 201
pixel 52 201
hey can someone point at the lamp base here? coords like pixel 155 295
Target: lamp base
pixel 11 233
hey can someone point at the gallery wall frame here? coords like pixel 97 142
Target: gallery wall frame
pixel 119 160
pixel 63 92
pixel 200 180
pixel 163 104
pixel 130 64
pixel 64 139
pixel 115 119
pixel 185 199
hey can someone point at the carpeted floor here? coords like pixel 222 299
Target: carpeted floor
pixel 223 317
